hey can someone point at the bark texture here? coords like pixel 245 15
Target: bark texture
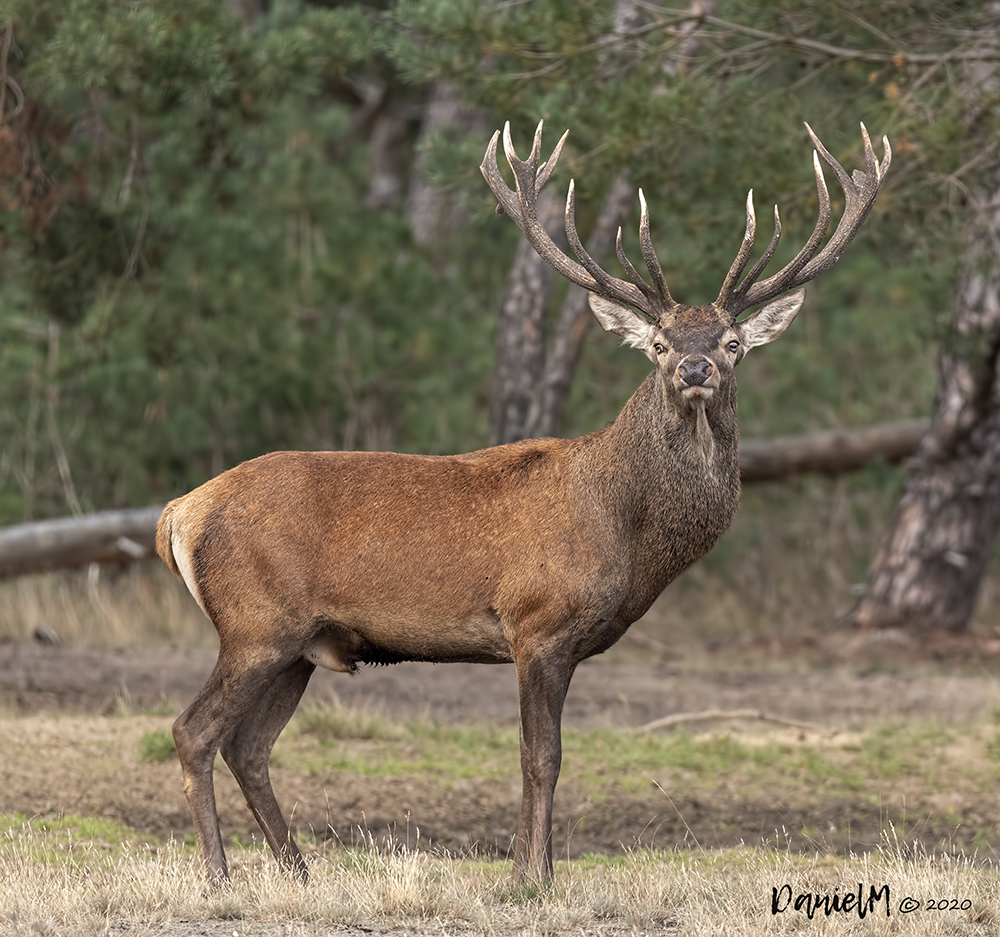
pixel 105 537
pixel 434 213
pixel 521 331
pixel 831 452
pixel 928 572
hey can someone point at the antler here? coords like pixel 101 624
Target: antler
pixel 860 193
pixel 529 178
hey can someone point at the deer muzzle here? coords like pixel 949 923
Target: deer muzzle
pixel 696 376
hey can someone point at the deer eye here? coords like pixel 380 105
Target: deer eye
pixel 734 346
pixel 658 348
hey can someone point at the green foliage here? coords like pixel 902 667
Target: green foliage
pixel 697 139
pixel 212 283
pixel 156 745
pixel 194 273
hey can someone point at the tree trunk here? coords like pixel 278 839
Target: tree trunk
pixel 521 331
pixel 829 452
pixel 435 214
pixel 928 572
pixel 106 537
pixel 574 321
pixel 388 132
pixel 249 11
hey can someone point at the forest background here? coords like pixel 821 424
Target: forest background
pixel 229 228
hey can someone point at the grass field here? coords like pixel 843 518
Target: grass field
pixel 78 874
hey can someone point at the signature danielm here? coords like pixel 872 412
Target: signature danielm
pixel 848 902
pixel 812 903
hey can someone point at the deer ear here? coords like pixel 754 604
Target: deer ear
pixel 633 329
pixel 766 324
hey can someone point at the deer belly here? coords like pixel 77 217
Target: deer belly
pixel 478 638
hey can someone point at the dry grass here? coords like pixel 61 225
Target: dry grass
pixel 75 875
pixel 144 604
pixel 60 886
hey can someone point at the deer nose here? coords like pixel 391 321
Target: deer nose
pixel 695 371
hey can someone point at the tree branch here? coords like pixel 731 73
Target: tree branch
pixel 710 715
pixel 974 54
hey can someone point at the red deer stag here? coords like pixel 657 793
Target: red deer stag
pixel 539 553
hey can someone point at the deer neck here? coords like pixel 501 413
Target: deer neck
pixel 660 436
pixel 669 475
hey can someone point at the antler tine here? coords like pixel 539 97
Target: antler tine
pixel 858 203
pixel 738 300
pixel 545 170
pixel 846 183
pixel 506 199
pixel 529 178
pixel 859 197
pixel 765 259
pixel 871 163
pixel 631 272
pixel 742 256
pixel 638 293
pixel 649 255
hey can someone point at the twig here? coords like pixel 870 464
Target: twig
pixel 679 814
pixel 133 259
pixel 4 51
pixel 51 405
pixel 125 191
pixel 708 715
pixel 650 644
pixel 874 30
pixel 924 77
pixel 801 42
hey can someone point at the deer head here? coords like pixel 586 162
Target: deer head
pixel 695 348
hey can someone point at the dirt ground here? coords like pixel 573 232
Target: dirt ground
pixel 76 684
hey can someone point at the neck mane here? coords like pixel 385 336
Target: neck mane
pixel 669 476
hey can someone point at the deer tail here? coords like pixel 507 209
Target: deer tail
pixel 164 530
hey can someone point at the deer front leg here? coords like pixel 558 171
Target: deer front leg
pixel 542 681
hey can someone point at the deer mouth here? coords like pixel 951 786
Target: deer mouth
pixel 697 392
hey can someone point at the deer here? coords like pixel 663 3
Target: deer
pixel 539 553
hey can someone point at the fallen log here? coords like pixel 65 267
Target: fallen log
pixel 104 537
pixel 830 452
pixel 127 535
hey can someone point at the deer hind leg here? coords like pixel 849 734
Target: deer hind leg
pixel 542 682
pixel 236 685
pixel 248 750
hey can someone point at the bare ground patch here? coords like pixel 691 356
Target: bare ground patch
pixel 59 758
